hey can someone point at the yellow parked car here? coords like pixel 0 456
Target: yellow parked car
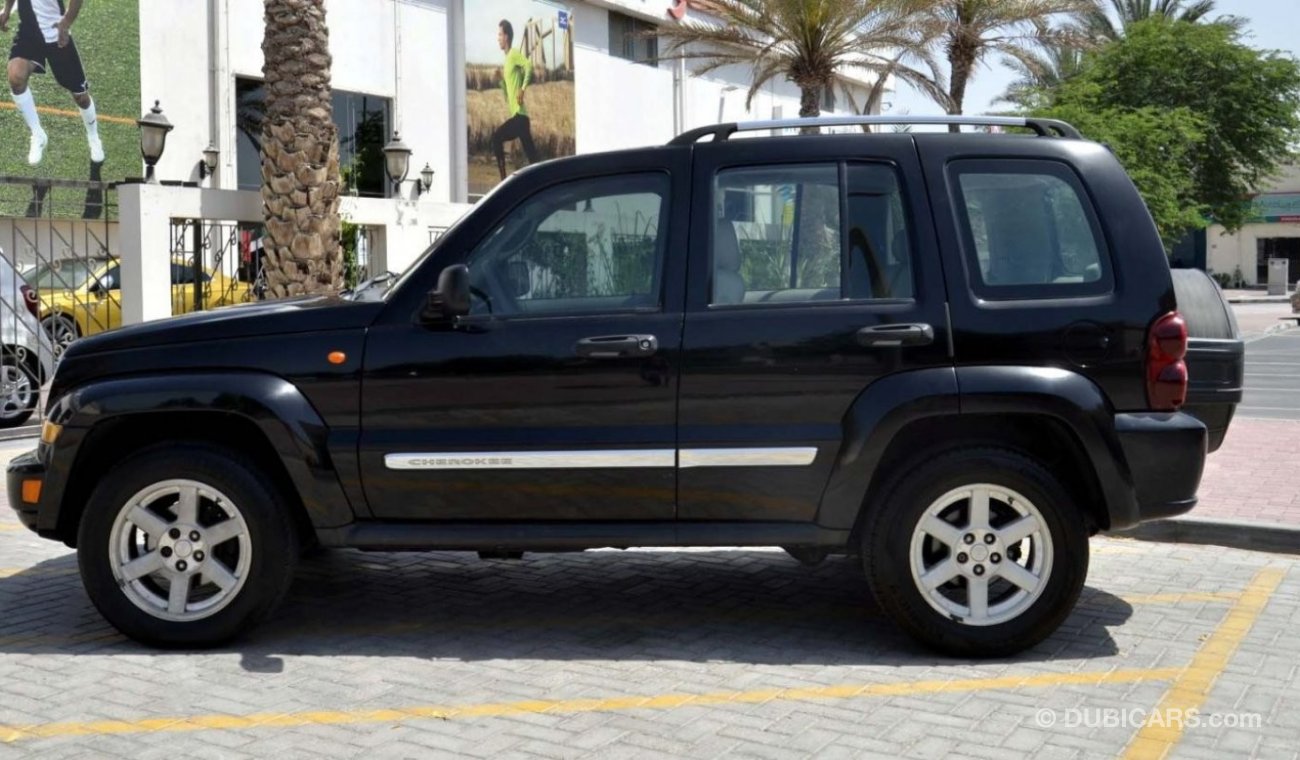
pixel 82 297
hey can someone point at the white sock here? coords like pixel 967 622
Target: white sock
pixel 27 107
pixel 88 118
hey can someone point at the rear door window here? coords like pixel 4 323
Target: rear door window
pixel 1029 230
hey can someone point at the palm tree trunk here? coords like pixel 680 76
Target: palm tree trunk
pixel 300 153
pixel 962 62
pixel 810 107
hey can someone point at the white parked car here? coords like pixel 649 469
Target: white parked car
pixel 26 353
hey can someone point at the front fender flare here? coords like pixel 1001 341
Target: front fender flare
pixel 274 405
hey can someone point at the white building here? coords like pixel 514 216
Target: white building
pixel 1274 232
pixel 406 58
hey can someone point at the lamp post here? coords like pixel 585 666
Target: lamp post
pixel 397 160
pixel 209 163
pixel 426 178
pixel 153 139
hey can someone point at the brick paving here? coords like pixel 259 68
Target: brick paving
pixel 443 654
pixel 1253 475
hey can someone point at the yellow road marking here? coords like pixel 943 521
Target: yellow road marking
pixel 1190 690
pixel 67 112
pixel 177 724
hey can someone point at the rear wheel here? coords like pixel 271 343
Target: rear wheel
pixel 62 330
pixel 186 545
pixel 978 552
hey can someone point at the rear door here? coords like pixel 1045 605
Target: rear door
pixel 810 278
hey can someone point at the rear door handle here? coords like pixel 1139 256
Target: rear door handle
pixel 617 346
pixel 888 336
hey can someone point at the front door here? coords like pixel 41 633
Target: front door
pixel 820 276
pixel 555 399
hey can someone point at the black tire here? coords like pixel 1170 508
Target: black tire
pixel 270 532
pixel 886 541
pixel 17 408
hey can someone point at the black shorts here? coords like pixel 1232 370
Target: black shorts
pixel 65 62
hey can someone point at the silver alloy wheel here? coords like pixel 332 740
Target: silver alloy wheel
pixel 180 550
pixel 981 554
pixel 16 391
pixel 61 330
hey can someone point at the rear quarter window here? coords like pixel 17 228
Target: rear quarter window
pixel 1028 230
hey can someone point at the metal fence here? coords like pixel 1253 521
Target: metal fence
pixel 58 278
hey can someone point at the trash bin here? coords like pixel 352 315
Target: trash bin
pixel 1278 276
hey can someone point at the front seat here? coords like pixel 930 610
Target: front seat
pixel 728 285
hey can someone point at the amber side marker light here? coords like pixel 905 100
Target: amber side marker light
pixel 337 357
pixel 31 491
pixel 50 432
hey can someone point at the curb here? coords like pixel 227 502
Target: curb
pixel 1252 535
pixel 20 433
pixel 1258 299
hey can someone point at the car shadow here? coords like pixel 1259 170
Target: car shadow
pixel 744 606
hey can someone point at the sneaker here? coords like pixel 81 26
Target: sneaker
pixel 96 149
pixel 37 151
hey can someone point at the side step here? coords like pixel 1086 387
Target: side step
pixel 558 536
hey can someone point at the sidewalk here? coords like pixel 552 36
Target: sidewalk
pixel 1254 295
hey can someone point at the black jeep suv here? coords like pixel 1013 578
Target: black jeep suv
pixel 956 356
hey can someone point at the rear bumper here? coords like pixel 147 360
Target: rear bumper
pixel 1166 455
pixel 23 468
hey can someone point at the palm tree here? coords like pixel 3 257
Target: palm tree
pixel 1101 25
pixel 1042 71
pixel 300 153
pixel 808 41
pixel 1015 29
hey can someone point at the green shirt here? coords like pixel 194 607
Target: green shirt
pixel 516 73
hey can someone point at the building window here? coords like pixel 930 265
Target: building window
pixel 363 122
pixel 828 99
pixel 632 39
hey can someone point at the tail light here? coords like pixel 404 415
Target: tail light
pixel 1166 370
pixel 30 298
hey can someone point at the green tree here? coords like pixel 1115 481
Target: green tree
pixel 1016 29
pixel 1099 22
pixel 1156 147
pixel 809 41
pixel 1244 103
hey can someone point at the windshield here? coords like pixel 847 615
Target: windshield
pixel 64 274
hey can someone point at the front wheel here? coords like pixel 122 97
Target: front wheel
pixel 979 552
pixel 186 545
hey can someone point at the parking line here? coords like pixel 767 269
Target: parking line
pixel 10 734
pixel 1190 690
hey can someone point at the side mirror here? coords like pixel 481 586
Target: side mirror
pixel 451 298
pixel 520 278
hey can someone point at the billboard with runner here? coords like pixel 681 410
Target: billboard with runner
pixel 519 87
pixel 73 95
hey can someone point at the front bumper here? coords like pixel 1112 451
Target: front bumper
pixel 1166 455
pixel 25 468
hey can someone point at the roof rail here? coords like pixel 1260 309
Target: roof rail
pixel 720 132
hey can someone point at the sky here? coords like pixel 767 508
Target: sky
pixel 1271 25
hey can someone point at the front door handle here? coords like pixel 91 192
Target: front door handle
pixel 891 336
pixel 617 346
